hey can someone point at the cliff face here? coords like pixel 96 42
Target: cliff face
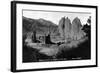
pixel 77 33
pixel 67 29
pixel 76 25
pixel 62 27
pixel 70 30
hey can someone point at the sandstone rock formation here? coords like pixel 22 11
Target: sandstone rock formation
pixel 67 29
pixel 70 30
pixel 76 32
pixel 62 27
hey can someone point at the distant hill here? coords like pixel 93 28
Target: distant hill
pixel 41 26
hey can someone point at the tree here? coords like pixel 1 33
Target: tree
pixel 89 20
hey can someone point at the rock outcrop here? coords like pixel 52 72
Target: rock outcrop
pixel 67 29
pixel 76 32
pixel 62 27
pixel 70 30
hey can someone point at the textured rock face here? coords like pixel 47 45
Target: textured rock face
pixel 67 29
pixel 76 25
pixel 71 31
pixel 76 32
pixel 62 27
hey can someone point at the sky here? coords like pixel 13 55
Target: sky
pixel 56 16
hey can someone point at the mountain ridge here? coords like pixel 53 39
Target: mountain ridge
pixel 40 25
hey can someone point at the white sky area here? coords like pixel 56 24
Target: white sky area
pixel 56 16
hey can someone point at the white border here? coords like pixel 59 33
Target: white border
pixel 21 66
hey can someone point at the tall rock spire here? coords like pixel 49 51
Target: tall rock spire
pixel 62 27
pixel 76 32
pixel 67 28
pixel 70 31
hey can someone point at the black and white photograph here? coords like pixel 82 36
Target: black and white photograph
pixel 56 36
pixel 48 36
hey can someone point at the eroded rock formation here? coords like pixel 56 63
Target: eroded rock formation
pixel 76 32
pixel 62 27
pixel 70 30
pixel 67 29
